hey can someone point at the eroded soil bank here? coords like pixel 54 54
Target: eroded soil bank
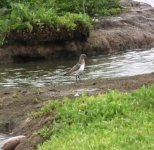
pixel 132 29
pixel 16 104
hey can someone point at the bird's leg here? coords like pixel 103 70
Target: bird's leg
pixel 79 78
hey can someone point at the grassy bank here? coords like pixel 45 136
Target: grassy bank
pixel 26 20
pixel 112 121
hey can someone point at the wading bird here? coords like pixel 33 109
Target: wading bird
pixel 78 68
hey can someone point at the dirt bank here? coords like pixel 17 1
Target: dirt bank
pixel 16 104
pixel 130 30
pixel 134 29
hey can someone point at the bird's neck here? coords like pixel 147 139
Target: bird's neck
pixel 82 61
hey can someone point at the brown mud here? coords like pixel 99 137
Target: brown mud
pixel 46 34
pixel 130 30
pixel 16 104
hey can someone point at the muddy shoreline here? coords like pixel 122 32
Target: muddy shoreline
pixel 130 30
pixel 17 103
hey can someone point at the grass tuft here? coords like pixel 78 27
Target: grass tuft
pixel 112 121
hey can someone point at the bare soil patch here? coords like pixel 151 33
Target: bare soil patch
pixel 16 104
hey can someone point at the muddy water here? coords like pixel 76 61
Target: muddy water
pixel 42 74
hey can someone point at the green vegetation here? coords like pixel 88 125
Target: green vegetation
pixel 27 15
pixel 115 120
pixel 90 7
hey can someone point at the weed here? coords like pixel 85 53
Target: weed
pixel 112 121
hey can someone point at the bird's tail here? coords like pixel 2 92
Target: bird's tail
pixel 66 74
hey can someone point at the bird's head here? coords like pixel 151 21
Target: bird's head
pixel 83 56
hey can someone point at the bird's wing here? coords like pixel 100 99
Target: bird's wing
pixel 75 68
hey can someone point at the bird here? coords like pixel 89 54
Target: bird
pixel 78 68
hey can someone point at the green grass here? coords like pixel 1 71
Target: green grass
pixel 114 121
pixel 24 15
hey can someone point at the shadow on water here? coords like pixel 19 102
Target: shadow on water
pixel 40 74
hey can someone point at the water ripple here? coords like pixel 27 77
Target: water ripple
pixel 104 66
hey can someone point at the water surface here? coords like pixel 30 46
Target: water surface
pixel 2 139
pixel 40 74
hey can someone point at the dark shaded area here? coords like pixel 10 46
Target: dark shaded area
pixel 45 34
pixel 27 58
pixel 7 127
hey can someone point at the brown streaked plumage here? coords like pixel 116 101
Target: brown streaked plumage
pixel 79 67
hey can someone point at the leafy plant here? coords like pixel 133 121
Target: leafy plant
pixel 112 121
pixel 90 7
pixel 65 14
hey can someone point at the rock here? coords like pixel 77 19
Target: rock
pixel 134 29
pixel 76 95
pixel 29 143
pixel 12 142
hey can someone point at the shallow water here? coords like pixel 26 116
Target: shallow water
pixel 48 73
pixel 2 139
pixel 40 74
